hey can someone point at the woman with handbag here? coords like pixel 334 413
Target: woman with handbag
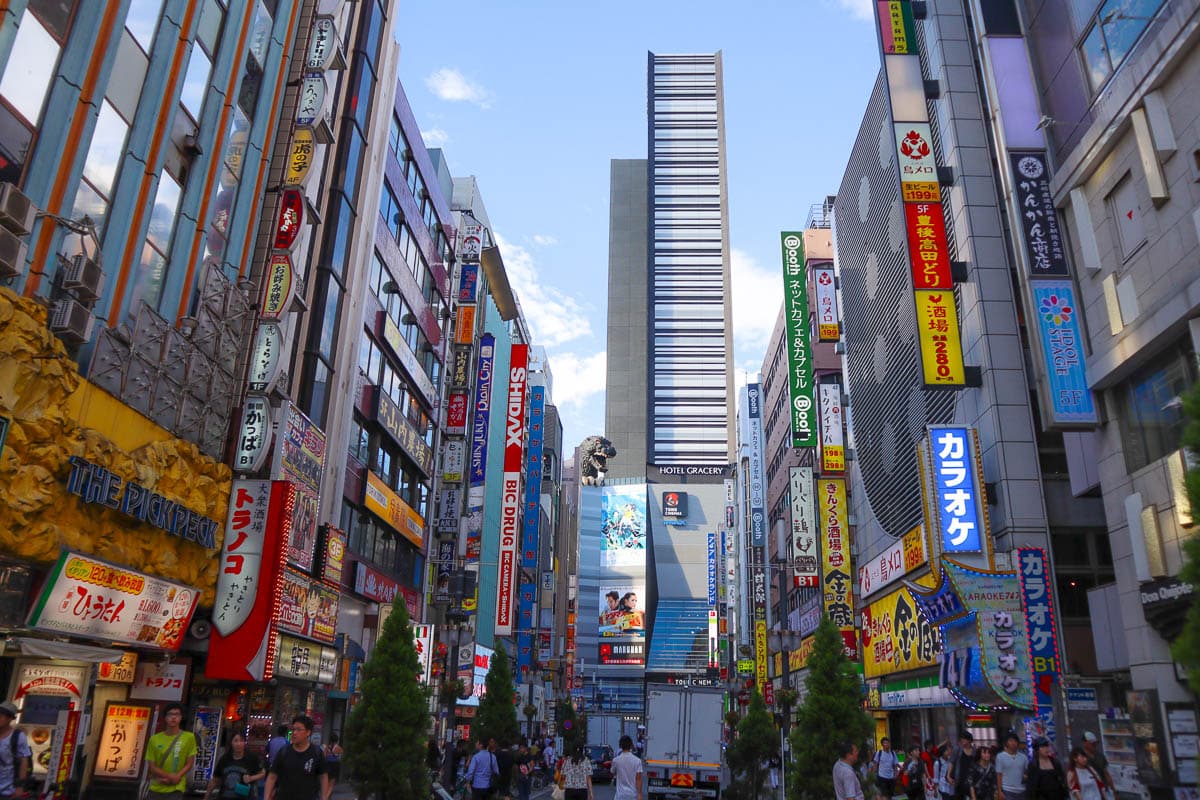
pixel 577 776
pixel 236 772
pixel 1083 781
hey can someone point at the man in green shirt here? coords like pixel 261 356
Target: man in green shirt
pixel 171 754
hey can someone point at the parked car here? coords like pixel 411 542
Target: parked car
pixel 601 756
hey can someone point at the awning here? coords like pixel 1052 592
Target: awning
pixel 65 651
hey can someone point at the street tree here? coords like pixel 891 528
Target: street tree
pixel 757 740
pixel 832 713
pixel 571 726
pixel 1186 648
pixel 386 735
pixel 497 715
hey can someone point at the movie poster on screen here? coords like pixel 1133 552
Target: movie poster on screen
pixel 623 526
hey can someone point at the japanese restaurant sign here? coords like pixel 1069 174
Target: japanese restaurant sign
pixel 895 637
pixel 833 442
pixel 836 569
pixel 456 413
pixel 379 498
pixel 334 561
pixel 804 528
pixel 291 217
pixel 254 437
pixel 306 661
pixel 902 557
pixel 928 252
pixel 120 672
pixel 937 333
pixel 94 599
pixel 123 738
pixel 397 425
pixel 300 157
pixel 322 44
pixel 1045 249
pixel 918 172
pixel 828 320
pixel 266 362
pixel 279 287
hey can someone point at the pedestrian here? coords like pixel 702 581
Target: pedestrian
pixel 962 761
pixel 929 756
pixel 1096 758
pixel 171 754
pixel 549 757
pixel 15 754
pixel 504 766
pixel 1011 763
pixel 773 765
pixel 277 743
pixel 626 771
pixel 236 772
pixel 482 772
pixel 299 772
pixel 433 754
pixel 523 764
pixel 577 775
pixel 884 765
pixel 914 774
pixel 1083 779
pixel 1044 778
pixel 983 776
pixel 845 779
pixel 333 758
pixel 941 773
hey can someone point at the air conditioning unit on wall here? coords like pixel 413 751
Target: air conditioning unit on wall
pixel 84 277
pixel 12 254
pixel 71 321
pixel 17 211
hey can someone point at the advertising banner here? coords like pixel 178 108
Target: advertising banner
pixel 207 729
pixel 456 413
pixel 896 27
pixel 836 570
pixel 373 584
pixel 477 669
pixel 248 584
pixel 928 253
pixel 622 574
pixel 1045 250
pixel 304 660
pixel 300 458
pixel 1057 315
pixel 93 599
pixel 712 570
pixel 482 409
pixel 1037 600
pixel 464 325
pixel 468 283
pixel 833 442
pixel 533 478
pixel 380 500
pixel 760 652
pixel 510 492
pixel 828 319
pixel 404 433
pixel 308 608
pixel 423 642
pixel 804 528
pixel 901 558
pixel 895 637
pixel 799 348
pixel 918 172
pixel 957 498
pixel 758 493
pixel 454 459
pixel 937 333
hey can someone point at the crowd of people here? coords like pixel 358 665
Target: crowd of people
pixel 964 771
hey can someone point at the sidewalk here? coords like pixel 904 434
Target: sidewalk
pixel 345 791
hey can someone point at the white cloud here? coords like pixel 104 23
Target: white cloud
pixel 556 317
pixel 544 240
pixel 859 9
pixel 450 84
pixel 577 378
pixel 757 296
pixel 435 137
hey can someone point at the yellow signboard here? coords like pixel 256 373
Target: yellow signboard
pixel 798 659
pixel 300 157
pixel 895 637
pixel 387 505
pixel 760 653
pixel 937 331
pixel 837 573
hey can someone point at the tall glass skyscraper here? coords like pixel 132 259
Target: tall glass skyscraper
pixel 671 342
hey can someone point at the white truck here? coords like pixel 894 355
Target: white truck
pixel 683 740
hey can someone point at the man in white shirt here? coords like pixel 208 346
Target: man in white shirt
pixel 14 754
pixel 845 781
pixel 627 772
pixel 884 766
pixel 1010 767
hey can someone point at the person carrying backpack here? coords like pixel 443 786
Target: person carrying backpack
pixel 885 766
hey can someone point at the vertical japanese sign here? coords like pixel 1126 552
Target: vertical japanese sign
pixel 833 442
pixel 1057 315
pixel 804 528
pixel 799 348
pixel 529 529
pixel 712 569
pixel 960 519
pixel 1037 600
pixel 207 729
pixel 828 319
pixel 836 569
pixel 1044 245
pixel 123 738
pixel 482 410
pixel 510 490
pixel 758 496
pixel 938 336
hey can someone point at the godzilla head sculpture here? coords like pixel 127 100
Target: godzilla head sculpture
pixel 594 454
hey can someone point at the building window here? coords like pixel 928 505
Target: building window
pixel 99 173
pixel 151 269
pixel 1111 32
pixel 1126 214
pixel 195 81
pixel 142 21
pixel 30 68
pixel 1151 413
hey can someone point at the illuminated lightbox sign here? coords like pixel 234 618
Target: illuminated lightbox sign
pixel 957 489
pixel 1057 317
pixel 801 391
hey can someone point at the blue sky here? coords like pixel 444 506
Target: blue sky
pixel 535 99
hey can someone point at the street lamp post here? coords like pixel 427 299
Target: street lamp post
pixel 784 642
pixel 454 635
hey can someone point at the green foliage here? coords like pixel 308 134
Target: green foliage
pixel 1186 648
pixel 757 738
pixel 575 734
pixel 832 713
pixel 386 735
pixel 497 716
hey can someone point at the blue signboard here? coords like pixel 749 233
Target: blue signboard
pixel 482 408
pixel 956 489
pixel 712 569
pixel 533 477
pixel 1038 602
pixel 1062 351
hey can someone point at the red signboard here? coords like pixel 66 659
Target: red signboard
pixel 510 489
pixel 248 586
pixel 456 413
pixel 374 585
pixel 291 216
pixel 927 248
